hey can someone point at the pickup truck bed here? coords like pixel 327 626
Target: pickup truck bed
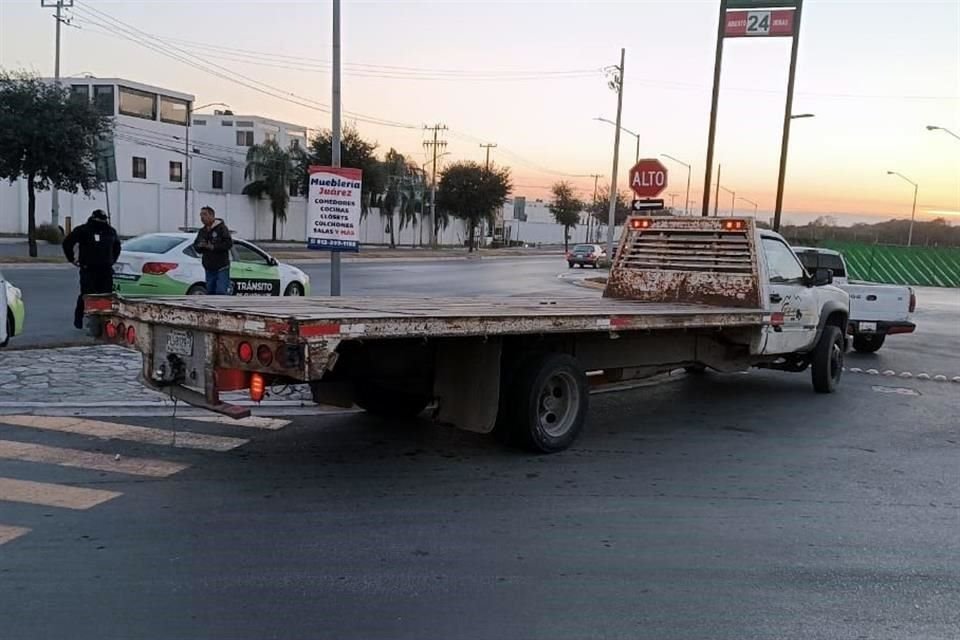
pixel 318 319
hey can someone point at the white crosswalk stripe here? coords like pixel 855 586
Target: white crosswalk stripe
pixel 118 431
pixel 254 422
pixel 8 533
pixel 30 452
pixel 53 495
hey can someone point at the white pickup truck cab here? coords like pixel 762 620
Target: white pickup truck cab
pixel 683 293
pixel 876 310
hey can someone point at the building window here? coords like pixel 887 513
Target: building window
pixel 176 172
pixel 139 168
pixel 173 110
pixel 200 123
pixel 245 123
pixel 217 179
pixel 269 137
pixel 138 104
pixel 226 123
pixel 103 99
pixel 244 138
pixel 80 93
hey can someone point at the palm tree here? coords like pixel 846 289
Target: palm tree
pixel 404 189
pixel 271 170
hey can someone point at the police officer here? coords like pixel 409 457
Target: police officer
pixel 99 248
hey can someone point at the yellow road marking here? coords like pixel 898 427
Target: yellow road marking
pixel 117 431
pixel 255 422
pixel 52 495
pixel 29 452
pixel 8 533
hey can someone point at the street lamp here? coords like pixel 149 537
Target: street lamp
pixel 686 210
pixel 625 130
pixel 186 159
pixel 913 213
pixel 783 161
pixel 750 202
pixel 931 127
pixel 733 198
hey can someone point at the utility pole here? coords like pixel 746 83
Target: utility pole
pixel 488 147
pixel 721 23
pixel 716 198
pixel 435 144
pixel 335 135
pixel 612 212
pixel 787 117
pixel 58 17
pixel 590 219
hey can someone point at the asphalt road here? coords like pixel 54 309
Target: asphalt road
pixel 723 507
pixel 50 291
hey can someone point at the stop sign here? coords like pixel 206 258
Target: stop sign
pixel 648 178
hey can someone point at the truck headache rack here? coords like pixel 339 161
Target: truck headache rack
pixel 687 260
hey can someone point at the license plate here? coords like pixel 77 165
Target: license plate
pixel 180 343
pixel 868 326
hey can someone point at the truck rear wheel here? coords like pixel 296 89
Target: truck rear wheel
pixel 827 360
pixel 544 404
pixel 389 403
pixel 868 342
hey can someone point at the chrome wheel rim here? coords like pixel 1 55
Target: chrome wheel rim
pixel 836 361
pixel 557 404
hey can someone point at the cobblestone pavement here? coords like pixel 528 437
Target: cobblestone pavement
pixel 84 375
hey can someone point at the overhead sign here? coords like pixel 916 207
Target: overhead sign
pixel 647 205
pixel 648 178
pixel 771 23
pixel 333 209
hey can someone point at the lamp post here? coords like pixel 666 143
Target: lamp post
pixel 733 198
pixel 625 130
pixel 778 208
pixel 686 208
pixel 932 127
pixel 913 212
pixel 750 202
pixel 186 158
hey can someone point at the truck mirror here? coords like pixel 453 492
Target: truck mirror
pixel 822 277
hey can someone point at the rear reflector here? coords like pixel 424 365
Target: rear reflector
pixel 97 303
pixel 265 355
pixel 245 352
pixel 913 301
pixel 111 330
pixel 257 387
pixel 158 268
pixel 121 330
pixel 131 335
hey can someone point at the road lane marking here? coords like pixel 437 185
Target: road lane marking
pixel 117 431
pixel 53 495
pixel 10 450
pixel 8 533
pixel 255 422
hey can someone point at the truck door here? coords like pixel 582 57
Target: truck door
pixel 792 304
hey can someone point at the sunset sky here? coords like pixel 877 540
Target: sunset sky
pixel 527 76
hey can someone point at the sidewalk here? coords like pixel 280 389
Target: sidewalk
pixel 103 375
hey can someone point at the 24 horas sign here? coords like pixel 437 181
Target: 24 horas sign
pixel 333 209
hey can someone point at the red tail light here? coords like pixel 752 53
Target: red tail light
pixel 111 330
pixel 913 301
pixel 733 225
pixel 131 335
pixel 121 330
pixel 257 387
pixel 158 268
pixel 265 355
pixel 639 223
pixel 245 352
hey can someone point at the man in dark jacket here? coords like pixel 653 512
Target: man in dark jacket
pixel 213 243
pixel 99 248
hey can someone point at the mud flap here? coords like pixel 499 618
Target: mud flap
pixel 468 396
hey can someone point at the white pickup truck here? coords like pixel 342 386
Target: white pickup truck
pixel 683 293
pixel 876 310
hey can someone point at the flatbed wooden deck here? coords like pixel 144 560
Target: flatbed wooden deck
pixel 415 317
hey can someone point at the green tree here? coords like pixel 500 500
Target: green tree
pixel 271 171
pixel 48 139
pixel 566 208
pixel 404 192
pixel 600 210
pixel 472 193
pixel 355 152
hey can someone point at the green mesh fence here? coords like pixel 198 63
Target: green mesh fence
pixel 922 266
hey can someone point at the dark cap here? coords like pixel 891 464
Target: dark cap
pixel 98 214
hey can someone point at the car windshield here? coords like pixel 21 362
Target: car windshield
pixel 584 248
pixel 152 244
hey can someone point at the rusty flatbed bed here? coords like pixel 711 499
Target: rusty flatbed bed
pixel 319 318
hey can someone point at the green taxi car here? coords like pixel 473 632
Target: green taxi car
pixel 165 264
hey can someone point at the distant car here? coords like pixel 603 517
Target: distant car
pixel 165 264
pixel 586 254
pixel 11 310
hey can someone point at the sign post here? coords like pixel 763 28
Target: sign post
pixel 333 209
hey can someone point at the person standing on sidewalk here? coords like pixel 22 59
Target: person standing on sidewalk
pixel 99 247
pixel 213 243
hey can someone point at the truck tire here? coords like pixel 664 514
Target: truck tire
pixel 544 404
pixel 389 403
pixel 868 342
pixel 827 360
